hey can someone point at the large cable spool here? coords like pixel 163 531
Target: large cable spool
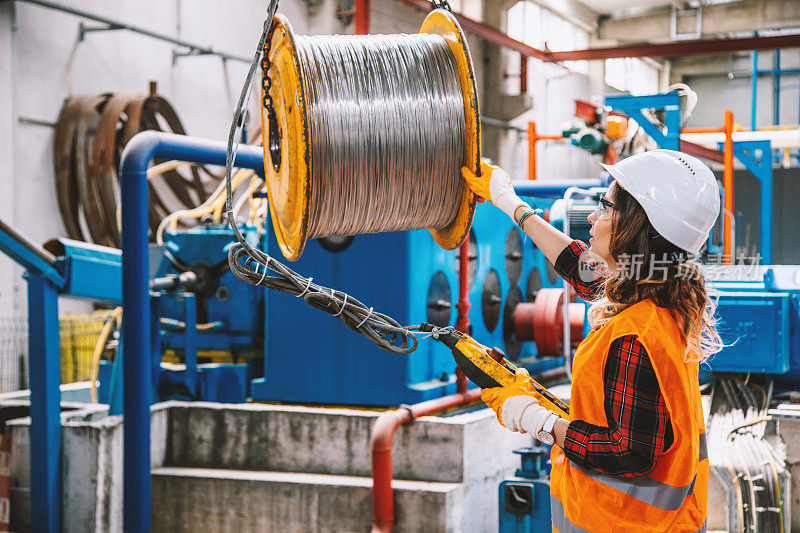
pixel 312 192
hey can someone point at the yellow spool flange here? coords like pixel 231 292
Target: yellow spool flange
pixel 290 185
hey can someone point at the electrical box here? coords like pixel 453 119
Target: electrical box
pixel 762 330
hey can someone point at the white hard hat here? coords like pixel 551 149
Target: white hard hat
pixel 678 192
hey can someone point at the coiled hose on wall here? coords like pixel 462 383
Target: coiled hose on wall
pixel 91 132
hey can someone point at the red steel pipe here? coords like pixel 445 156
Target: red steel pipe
pixel 727 184
pixel 381 442
pixel 362 17
pixel 701 151
pixel 533 138
pixel 531 151
pixel 388 422
pixel 463 306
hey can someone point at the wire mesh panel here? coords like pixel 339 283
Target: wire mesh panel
pixel 79 334
pixel 13 354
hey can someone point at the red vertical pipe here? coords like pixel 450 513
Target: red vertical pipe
pixel 463 306
pixel 727 183
pixel 362 17
pixel 531 151
pixel 523 74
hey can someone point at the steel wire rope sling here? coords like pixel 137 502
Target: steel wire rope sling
pixel 361 134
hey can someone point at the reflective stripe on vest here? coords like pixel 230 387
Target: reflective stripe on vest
pixel 563 525
pixel 648 490
pixel 644 489
pixel 703 447
pixel 560 520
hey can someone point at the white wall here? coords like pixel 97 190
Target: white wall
pixel 553 93
pixel 42 62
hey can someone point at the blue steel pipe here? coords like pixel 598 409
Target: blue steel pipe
pixel 553 187
pixel 138 357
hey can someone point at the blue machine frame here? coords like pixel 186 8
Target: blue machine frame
pixel 136 323
pixel 404 265
pixel 48 277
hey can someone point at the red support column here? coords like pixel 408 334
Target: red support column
pixel 463 306
pixel 362 17
pixel 531 150
pixel 727 183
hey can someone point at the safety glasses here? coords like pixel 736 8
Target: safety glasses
pixel 604 208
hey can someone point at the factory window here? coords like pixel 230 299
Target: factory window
pixel 540 27
pixel 631 74
pixel 469 8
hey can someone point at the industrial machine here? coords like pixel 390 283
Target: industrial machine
pixel 311 358
pixel 525 498
pixel 758 316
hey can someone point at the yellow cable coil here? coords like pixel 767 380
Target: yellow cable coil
pixel 79 333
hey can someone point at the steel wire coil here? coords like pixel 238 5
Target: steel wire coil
pixel 368 133
pixel 387 133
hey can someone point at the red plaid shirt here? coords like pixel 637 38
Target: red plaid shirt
pixel 638 428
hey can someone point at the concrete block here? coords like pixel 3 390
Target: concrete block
pixel 470 449
pixel 188 499
pixel 332 441
pixel 19 464
pixel 91 465
pixel 286 468
pixel 92 475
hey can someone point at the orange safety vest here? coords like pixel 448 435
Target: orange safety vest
pixel 673 496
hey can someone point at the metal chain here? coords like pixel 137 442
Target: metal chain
pixel 266 81
pixel 442 4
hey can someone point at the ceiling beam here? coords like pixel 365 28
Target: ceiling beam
pixel 488 33
pixel 573 11
pixel 680 48
pixel 717 19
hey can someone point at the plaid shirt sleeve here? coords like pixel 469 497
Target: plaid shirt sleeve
pixel 585 273
pixel 639 428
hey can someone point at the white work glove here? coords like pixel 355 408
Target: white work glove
pixel 524 414
pixel 515 405
pixel 494 185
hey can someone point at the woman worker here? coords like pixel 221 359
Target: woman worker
pixel 633 456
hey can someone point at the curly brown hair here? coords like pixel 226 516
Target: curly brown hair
pixel 647 266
